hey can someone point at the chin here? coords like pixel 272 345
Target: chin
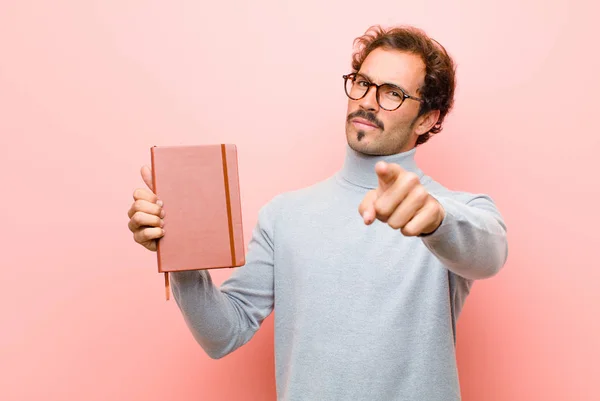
pixel 365 146
pixel 372 148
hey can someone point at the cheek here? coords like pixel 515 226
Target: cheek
pixel 400 121
pixel 390 122
pixel 351 107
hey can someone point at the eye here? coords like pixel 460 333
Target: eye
pixel 393 94
pixel 362 82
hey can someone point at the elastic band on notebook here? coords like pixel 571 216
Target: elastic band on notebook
pixel 228 200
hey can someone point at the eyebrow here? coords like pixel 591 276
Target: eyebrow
pixel 385 83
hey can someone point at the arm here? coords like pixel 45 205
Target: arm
pixel 223 319
pixel 468 237
pixel 471 241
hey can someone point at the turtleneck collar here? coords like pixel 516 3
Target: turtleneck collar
pixel 359 169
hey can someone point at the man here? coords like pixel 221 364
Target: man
pixel 368 270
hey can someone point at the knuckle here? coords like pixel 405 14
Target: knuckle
pixel 383 217
pixel 138 218
pixel 395 224
pixel 143 235
pixel 383 208
pixel 412 178
pixel 137 193
pixel 408 231
pixel 422 193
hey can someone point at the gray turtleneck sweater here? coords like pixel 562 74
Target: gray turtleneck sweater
pixel 361 312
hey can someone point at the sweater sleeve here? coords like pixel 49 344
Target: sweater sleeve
pixel 471 241
pixel 223 319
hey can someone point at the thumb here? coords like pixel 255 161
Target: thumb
pixel 367 207
pixel 147 176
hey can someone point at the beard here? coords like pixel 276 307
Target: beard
pixel 381 143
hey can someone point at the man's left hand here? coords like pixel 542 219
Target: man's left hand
pixel 401 201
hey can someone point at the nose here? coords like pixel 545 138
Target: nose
pixel 369 101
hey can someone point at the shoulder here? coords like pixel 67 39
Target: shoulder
pixel 299 198
pixel 440 191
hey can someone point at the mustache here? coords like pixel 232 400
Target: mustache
pixel 367 116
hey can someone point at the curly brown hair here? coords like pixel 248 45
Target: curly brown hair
pixel 438 87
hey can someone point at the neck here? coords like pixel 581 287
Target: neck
pixel 359 168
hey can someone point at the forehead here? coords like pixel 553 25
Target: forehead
pixel 406 70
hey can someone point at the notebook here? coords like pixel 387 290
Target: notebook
pixel 199 186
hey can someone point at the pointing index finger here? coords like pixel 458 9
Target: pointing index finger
pixel 388 173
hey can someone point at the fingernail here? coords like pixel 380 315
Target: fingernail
pixel 162 213
pixel 159 202
pixel 162 223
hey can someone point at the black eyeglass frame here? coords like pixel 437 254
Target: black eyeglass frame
pixel 353 75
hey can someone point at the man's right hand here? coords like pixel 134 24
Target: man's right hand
pixel 146 214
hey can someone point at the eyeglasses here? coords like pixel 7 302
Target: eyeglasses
pixel 389 97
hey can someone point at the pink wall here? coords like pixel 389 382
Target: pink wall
pixel 86 87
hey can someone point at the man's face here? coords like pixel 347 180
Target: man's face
pixel 374 131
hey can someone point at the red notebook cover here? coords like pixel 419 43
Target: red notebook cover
pixel 199 186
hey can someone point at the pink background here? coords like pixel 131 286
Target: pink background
pixel 86 87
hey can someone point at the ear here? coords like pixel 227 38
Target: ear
pixel 426 122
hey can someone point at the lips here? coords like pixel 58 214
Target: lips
pixel 361 122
